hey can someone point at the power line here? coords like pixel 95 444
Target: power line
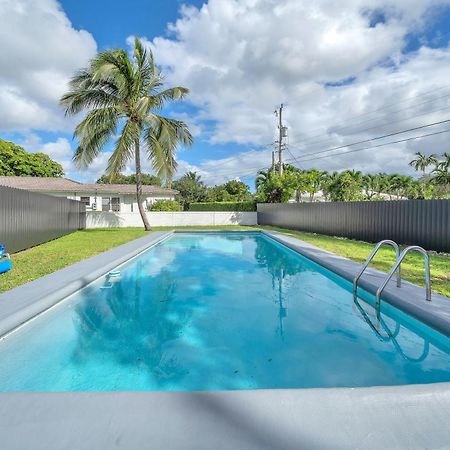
pixel 233 158
pixel 251 170
pixel 377 138
pixel 311 138
pixel 380 145
pixel 390 105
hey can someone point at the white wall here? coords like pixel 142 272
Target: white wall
pixel 128 202
pixel 103 219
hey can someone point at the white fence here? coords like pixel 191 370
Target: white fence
pixel 104 219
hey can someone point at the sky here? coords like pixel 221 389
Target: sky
pixel 346 72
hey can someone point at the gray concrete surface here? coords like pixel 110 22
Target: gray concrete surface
pixel 398 417
pixel 408 417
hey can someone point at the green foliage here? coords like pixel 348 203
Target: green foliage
pixel 237 189
pixel 191 189
pixel 146 178
pixel 345 188
pixel 15 161
pixel 233 190
pixel 351 185
pixel 166 205
pixel 223 206
pixel 275 188
pixel 218 194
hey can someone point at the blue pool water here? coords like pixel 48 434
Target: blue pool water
pixel 218 311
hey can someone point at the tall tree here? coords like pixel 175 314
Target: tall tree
pixel 422 162
pixel 237 189
pixel 15 161
pixel 191 189
pixel 123 96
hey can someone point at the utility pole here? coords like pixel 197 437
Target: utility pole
pixel 273 160
pixel 281 134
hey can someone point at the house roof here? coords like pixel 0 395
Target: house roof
pixel 49 184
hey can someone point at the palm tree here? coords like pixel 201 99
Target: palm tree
pixel 370 185
pixel 122 96
pixel 422 162
pixel 445 163
pixel 441 176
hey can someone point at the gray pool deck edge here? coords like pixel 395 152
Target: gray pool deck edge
pixel 397 417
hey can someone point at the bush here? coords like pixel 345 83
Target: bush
pixel 166 205
pixel 223 206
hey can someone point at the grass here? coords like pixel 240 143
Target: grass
pixel 36 262
pixel 51 256
pixel 412 266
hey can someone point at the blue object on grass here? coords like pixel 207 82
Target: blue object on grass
pixel 5 260
pixel 5 264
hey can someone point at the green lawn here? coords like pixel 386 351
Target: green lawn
pixel 412 266
pixel 51 256
pixel 54 255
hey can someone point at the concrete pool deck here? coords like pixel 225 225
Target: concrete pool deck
pixel 412 416
pixel 407 417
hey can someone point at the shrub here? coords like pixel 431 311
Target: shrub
pixel 166 205
pixel 223 206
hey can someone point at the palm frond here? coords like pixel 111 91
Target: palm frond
pixel 113 67
pixel 77 100
pixel 162 137
pixel 92 133
pixel 161 98
pixel 124 148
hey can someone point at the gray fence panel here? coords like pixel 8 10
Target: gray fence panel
pixel 29 218
pixel 421 222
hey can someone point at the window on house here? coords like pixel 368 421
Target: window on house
pixel 86 201
pixel 106 203
pixel 115 204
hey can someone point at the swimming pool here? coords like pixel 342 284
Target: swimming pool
pixel 219 311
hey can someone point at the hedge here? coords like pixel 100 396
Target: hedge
pixel 223 206
pixel 166 205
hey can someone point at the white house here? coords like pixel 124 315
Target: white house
pixel 96 197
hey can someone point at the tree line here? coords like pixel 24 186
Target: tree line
pixel 352 185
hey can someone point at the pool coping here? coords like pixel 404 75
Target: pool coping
pixel 411 416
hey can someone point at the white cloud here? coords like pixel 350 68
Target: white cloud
pixel 40 51
pixel 240 59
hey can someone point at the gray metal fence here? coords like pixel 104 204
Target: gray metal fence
pixel 29 218
pixel 421 222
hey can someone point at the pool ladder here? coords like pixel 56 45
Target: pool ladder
pixel 395 268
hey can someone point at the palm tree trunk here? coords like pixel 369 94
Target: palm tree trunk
pixel 137 154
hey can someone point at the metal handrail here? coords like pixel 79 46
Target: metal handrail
pixel 411 248
pixel 371 256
